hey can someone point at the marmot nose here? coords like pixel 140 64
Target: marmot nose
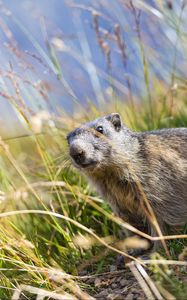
pixel 77 153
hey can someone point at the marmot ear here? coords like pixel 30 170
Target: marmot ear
pixel 115 119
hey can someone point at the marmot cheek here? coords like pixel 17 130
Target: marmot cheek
pixel 101 157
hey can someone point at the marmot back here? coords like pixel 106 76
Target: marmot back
pixel 119 161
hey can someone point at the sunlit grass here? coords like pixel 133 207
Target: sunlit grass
pixel 42 179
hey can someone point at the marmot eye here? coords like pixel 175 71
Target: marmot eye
pixel 100 129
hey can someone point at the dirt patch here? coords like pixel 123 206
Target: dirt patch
pixel 113 285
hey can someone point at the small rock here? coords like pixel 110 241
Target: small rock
pixel 83 273
pixel 103 294
pixel 134 290
pixel 114 285
pixel 123 282
pixel 115 297
pixel 90 280
pixel 97 282
pixel 113 268
pixel 110 297
pixel 118 279
pixel 129 297
pixel 112 280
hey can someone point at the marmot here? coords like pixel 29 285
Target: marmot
pixel 126 166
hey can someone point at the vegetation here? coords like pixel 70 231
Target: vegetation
pixel 52 224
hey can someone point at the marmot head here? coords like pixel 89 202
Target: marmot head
pixel 93 144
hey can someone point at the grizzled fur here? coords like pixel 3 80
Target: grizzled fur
pixel 115 159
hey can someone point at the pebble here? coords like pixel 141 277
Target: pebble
pixel 123 282
pixel 103 294
pixel 118 279
pixel 134 290
pixel 114 285
pixel 83 273
pixel 129 297
pixel 114 279
pixel 97 282
pixel 115 297
pixel 90 280
pixel 113 268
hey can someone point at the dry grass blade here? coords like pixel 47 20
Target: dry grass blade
pixel 149 8
pixel 141 281
pixel 149 281
pixel 68 283
pixel 164 262
pixel 41 294
pixel 167 295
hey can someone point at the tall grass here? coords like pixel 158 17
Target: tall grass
pixel 52 223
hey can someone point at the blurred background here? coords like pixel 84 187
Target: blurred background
pixel 62 56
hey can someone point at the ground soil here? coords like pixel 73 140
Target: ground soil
pixel 116 284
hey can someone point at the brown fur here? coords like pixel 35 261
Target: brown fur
pixel 131 166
